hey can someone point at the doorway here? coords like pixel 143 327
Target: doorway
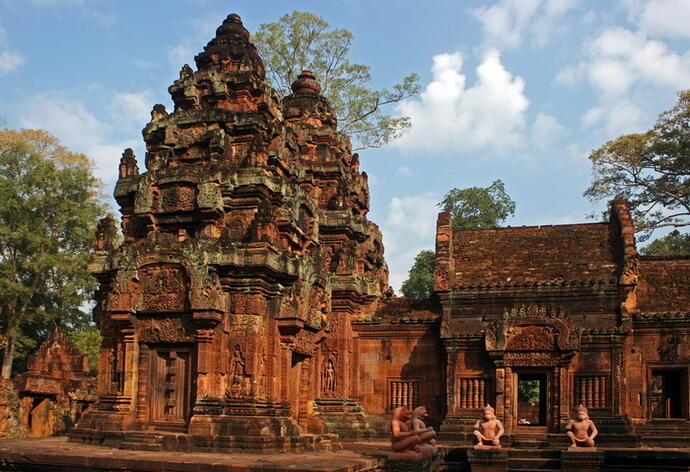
pixel 667 389
pixel 171 386
pixel 531 399
pixel 296 384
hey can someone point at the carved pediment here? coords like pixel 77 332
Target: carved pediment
pixel 535 328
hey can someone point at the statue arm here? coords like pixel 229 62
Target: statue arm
pixel 500 429
pixel 594 430
pixel 569 426
pixel 398 434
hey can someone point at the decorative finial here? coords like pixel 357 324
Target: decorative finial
pixel 306 84
pixel 128 164
pixel 186 71
pixel 158 112
pixel 232 27
pixel 106 233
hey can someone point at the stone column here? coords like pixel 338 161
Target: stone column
pixel 556 399
pixel 617 387
pixel 205 361
pixel 500 390
pixel 451 374
pixel 508 419
pixel 131 368
pixel 566 394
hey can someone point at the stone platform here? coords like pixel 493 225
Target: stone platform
pixel 56 454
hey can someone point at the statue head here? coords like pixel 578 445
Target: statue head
pixel 582 413
pixel 402 413
pixel 419 413
pixel 489 412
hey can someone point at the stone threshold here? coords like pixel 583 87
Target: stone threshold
pixel 55 454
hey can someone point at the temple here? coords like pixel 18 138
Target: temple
pixel 50 397
pixel 247 307
pixel 227 310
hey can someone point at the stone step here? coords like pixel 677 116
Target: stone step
pixel 534 464
pixel 527 453
pixel 534 470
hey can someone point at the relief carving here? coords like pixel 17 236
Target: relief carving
pixel 240 381
pixel 164 330
pixel 329 376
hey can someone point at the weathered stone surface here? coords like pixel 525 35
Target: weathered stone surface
pixel 573 307
pixel 248 307
pixel 51 396
pixel 57 455
pixel 247 253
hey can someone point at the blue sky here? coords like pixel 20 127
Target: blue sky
pixel 517 90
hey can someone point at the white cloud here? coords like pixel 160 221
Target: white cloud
pixel 10 61
pixel 507 22
pixel 195 34
pixel 665 18
pixel 621 64
pixel 617 116
pixel 78 129
pixel 180 54
pixel 618 59
pixel 406 171
pixel 409 228
pixel 452 117
pixel 546 130
pixel 132 108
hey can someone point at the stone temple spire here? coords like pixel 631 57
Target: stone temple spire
pixel 231 49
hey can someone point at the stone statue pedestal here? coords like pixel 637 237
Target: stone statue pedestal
pixel 486 447
pixel 409 461
pixel 582 459
pixel 488 459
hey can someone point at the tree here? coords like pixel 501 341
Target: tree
pixel 304 41
pixel 48 213
pixel 650 170
pixel 420 279
pixel 89 344
pixel 478 207
pixel 673 243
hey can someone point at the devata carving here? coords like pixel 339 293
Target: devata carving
pixel 329 376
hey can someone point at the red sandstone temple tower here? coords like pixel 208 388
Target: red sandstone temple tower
pixel 226 311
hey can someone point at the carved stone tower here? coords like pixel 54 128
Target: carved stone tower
pixel 226 311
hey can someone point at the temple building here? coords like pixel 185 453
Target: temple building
pixel 50 397
pixel 248 308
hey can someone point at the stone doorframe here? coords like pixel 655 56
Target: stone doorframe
pixel 534 336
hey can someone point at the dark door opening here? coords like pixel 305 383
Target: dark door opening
pixel 531 399
pixel 667 394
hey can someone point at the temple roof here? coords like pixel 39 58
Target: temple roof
pixel 664 284
pixel 535 255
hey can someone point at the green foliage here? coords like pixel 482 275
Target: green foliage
pixel 88 342
pixel 528 391
pixel 48 213
pixel 420 279
pixel 478 207
pixel 304 41
pixel 672 244
pixel 650 170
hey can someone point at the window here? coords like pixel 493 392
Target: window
pixel 404 393
pixel 591 391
